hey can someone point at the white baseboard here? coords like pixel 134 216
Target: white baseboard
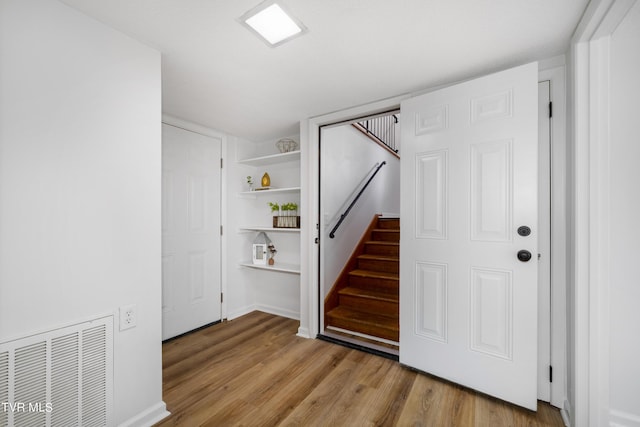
pixel 265 308
pixel 623 419
pixel 278 311
pixel 565 412
pixel 239 312
pixel 148 417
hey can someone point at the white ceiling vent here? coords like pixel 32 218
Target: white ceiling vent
pixel 63 377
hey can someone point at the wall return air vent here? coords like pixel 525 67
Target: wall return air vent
pixel 62 377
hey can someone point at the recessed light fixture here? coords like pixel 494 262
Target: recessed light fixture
pixel 272 23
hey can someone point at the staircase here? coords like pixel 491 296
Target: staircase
pixel 364 299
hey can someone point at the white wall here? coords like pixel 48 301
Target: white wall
pixel 239 299
pixel 624 205
pixel 347 157
pixel 80 186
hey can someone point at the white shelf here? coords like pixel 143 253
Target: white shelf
pixel 271 191
pixel 278 266
pixel 259 162
pixel 264 228
pixel 272 159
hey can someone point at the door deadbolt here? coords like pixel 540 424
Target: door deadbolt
pixel 524 231
pixel 524 255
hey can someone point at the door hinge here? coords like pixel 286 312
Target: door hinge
pixel 221 297
pixel 550 373
pixel 221 231
pixel 221 162
pixel 550 109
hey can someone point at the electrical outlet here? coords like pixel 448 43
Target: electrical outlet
pixel 127 317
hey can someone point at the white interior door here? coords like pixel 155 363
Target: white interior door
pixel 190 230
pixel 468 305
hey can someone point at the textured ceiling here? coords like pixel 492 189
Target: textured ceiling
pixel 218 74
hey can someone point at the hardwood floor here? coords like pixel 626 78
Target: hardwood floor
pixel 254 371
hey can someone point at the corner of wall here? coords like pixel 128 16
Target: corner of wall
pixel 553 62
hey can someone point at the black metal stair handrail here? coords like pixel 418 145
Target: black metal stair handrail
pixel 346 212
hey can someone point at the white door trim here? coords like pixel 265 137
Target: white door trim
pixel 589 275
pixel 553 70
pixel 193 127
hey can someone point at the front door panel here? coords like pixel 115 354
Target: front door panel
pixel 469 180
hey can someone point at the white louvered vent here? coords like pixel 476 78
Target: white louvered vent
pixel 4 386
pixel 63 377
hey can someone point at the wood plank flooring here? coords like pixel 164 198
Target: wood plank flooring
pixel 254 371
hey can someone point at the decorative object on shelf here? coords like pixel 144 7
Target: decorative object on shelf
pixel 274 207
pixel 286 222
pixel 289 209
pixel 250 182
pixel 288 217
pixel 260 248
pixel 272 253
pixel 286 145
pixel 266 181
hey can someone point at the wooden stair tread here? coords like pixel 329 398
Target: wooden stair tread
pixel 375 274
pixel 388 223
pixel 385 234
pixel 369 293
pixel 359 321
pixel 379 257
pixel 382 242
pixel 357 316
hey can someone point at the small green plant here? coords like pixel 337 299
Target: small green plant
pixel 290 206
pixel 274 207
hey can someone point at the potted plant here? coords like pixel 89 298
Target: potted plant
pixel 275 208
pixel 285 209
pixel 272 252
pixel 293 209
pixel 290 212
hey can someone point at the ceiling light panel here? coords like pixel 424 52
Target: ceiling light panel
pixel 272 23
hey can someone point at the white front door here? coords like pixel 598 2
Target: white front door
pixel 190 230
pixel 468 305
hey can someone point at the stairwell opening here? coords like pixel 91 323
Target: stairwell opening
pixel 359 228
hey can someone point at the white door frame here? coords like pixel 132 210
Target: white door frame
pixel 589 284
pixel 553 70
pixel 186 125
pixel 310 206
